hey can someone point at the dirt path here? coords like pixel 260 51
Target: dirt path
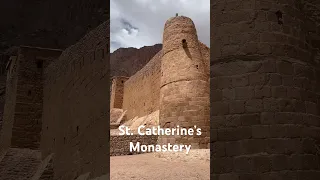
pixel 150 166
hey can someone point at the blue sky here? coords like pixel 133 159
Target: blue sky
pixel 138 23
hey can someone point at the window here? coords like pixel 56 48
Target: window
pixel 39 64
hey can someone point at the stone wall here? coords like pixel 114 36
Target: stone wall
pixel 3 77
pixel 185 90
pixel 120 145
pixel 28 109
pixel 76 108
pixel 141 91
pixel 265 96
pixel 116 97
pixel 19 163
pixel 9 108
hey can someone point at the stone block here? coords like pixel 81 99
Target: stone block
pixel 268 66
pixel 222 165
pixel 243 164
pixel 219 108
pixel 254 105
pixel 260 131
pixel 244 93
pixel 262 92
pixel 237 107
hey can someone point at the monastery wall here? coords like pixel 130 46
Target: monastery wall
pixel 76 108
pixel 9 108
pixel 120 145
pixel 265 96
pixel 141 91
pixel 29 96
pixel 22 116
pixel 117 90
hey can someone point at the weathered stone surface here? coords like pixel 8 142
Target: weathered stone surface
pixel 281 63
pixel 19 164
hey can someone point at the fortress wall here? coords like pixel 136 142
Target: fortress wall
pixel 205 52
pixel 76 108
pixel 265 96
pixel 141 91
pixel 22 115
pixel 120 145
pixel 117 90
pixel 184 93
pixel 9 108
pixel 28 109
pixel 311 10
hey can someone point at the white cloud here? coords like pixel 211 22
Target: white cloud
pixel 138 23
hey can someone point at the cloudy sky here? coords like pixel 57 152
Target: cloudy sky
pixel 138 23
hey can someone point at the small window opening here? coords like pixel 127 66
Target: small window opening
pixel 29 93
pixel 197 66
pixel 279 16
pixel 184 43
pixel 39 64
pixel 64 140
pixel 77 129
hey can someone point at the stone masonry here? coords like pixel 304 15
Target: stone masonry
pixel 184 86
pixel 57 104
pixel 116 98
pixel 119 145
pixel 175 81
pixel 265 90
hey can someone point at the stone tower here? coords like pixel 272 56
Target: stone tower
pixel 184 91
pixel 265 90
pixel 116 99
pixel 24 96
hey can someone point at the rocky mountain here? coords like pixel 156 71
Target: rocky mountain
pixel 127 61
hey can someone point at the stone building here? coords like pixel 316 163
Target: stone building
pixel 55 123
pixel 57 109
pixel 174 86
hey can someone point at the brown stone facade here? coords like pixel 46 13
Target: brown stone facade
pixel 176 82
pixel 116 99
pixel 57 102
pixel 265 96
pixel 76 108
pixel 22 116
pixel 184 87
pixel 141 91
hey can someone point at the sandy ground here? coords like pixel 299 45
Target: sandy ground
pixel 162 166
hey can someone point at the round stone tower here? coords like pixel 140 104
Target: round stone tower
pixel 265 103
pixel 185 91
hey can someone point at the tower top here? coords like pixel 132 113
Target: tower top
pixel 179 32
pixel 176 14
